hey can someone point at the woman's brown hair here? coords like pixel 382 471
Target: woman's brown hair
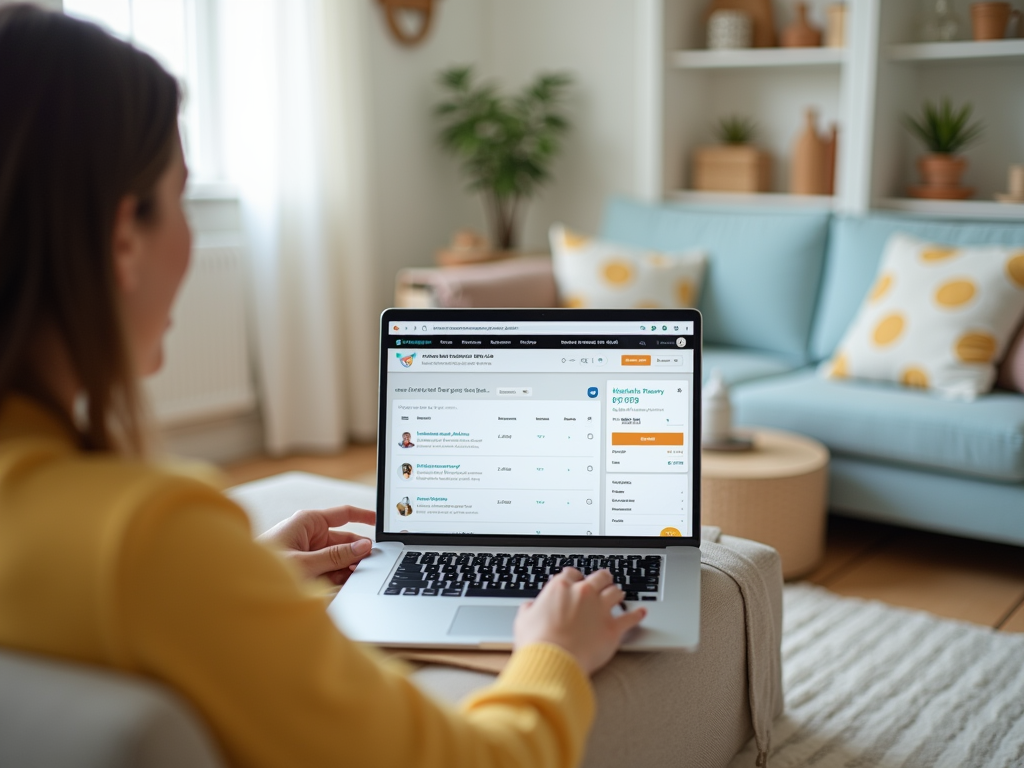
pixel 85 120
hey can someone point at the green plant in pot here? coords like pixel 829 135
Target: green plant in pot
pixel 945 131
pixel 506 144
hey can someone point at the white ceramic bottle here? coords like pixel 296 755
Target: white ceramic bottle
pixel 716 411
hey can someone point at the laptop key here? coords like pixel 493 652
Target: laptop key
pixel 632 596
pixel 392 591
pixel 649 597
pixel 520 593
pixel 410 591
pixel 451 592
pixel 428 592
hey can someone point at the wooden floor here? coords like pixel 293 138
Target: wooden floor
pixel 974 581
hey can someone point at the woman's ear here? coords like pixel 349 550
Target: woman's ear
pixel 127 244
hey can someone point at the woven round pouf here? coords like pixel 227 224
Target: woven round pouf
pixel 776 493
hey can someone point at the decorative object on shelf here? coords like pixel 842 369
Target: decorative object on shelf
pixel 831 155
pixel 801 33
pixel 808 174
pixel 423 8
pixel 467 247
pixel 728 30
pixel 835 28
pixel 716 418
pixel 1015 194
pixel 989 21
pixel 760 12
pixel 506 144
pixel 735 166
pixel 941 24
pixel 944 131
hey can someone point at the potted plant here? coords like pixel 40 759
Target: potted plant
pixel 944 130
pixel 506 144
pixel 735 165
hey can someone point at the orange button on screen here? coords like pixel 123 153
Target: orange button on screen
pixel 647 438
pixel 636 359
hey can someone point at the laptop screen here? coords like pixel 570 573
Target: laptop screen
pixel 539 427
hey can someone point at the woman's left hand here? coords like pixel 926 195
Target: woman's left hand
pixel 306 539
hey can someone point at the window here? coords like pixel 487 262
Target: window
pixel 180 35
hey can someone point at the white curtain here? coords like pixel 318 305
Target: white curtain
pixel 292 95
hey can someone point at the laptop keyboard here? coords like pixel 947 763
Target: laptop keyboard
pixel 489 574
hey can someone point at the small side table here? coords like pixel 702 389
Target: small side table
pixel 776 493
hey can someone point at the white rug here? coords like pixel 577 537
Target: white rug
pixel 871 685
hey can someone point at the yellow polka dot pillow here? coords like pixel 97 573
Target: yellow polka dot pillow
pixel 596 273
pixel 937 317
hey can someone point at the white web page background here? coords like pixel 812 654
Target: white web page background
pixel 529 441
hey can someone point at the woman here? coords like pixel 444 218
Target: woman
pixel 108 559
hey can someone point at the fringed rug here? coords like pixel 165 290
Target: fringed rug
pixel 871 685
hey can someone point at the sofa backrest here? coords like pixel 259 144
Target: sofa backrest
pixel 855 246
pixel 764 267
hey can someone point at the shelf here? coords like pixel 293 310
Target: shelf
pixel 756 58
pixel 966 50
pixel 757 199
pixel 958 209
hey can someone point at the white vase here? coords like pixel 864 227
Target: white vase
pixel 716 411
pixel 730 29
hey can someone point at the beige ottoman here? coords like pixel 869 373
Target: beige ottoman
pixel 776 494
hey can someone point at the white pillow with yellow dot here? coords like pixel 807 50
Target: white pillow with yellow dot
pixel 937 317
pixel 598 274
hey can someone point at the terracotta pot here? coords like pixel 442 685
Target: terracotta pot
pixel 800 34
pixel 942 170
pixel 989 20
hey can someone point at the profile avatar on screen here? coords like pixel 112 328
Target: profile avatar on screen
pixel 406 471
pixel 404 507
pixel 406 441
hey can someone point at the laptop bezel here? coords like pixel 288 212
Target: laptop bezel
pixel 393 315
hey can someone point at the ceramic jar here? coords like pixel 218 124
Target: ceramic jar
pixel 730 29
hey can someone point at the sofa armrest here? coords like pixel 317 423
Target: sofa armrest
pixel 524 281
pixel 57 714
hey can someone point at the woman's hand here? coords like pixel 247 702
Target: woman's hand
pixel 306 539
pixel 577 614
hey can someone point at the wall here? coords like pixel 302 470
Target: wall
pixel 416 194
pixel 419 197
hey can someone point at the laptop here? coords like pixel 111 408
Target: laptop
pixel 514 443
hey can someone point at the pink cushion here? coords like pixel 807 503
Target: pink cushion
pixel 1011 370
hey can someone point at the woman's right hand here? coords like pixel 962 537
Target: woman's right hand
pixel 579 615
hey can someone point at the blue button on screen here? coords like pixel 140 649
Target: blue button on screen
pixel 592 392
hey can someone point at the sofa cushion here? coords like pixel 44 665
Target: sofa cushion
pixel 855 248
pixel 761 265
pixel 739 365
pixel 937 318
pixel 597 273
pixel 983 438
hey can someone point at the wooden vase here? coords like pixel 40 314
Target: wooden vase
pixel 808 168
pixel 990 20
pixel 801 34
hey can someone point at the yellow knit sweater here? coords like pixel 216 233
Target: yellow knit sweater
pixel 126 565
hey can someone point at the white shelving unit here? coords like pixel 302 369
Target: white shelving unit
pixel 755 58
pixel 867 88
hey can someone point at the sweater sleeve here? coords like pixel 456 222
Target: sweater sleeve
pixel 222 620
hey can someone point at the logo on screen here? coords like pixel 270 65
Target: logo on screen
pixel 406 360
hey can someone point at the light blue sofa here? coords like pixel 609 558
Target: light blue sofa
pixel 780 290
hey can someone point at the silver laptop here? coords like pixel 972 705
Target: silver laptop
pixel 515 443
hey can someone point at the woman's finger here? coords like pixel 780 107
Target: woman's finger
pixel 344 537
pixel 338 516
pixel 598 580
pixel 628 620
pixel 571 575
pixel 612 595
pixel 334 558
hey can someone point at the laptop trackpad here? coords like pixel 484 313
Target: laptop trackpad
pixel 484 620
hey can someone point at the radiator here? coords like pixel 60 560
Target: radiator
pixel 206 373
